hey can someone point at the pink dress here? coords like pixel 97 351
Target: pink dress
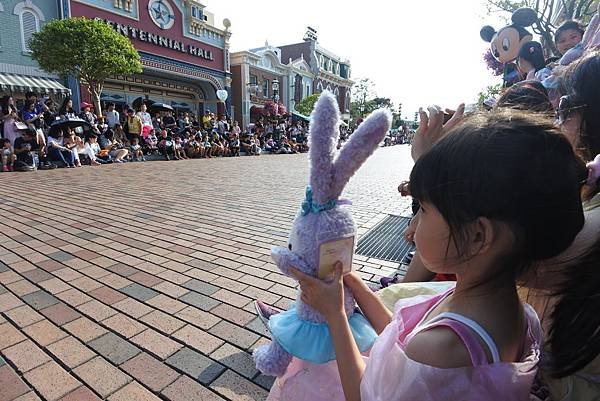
pixel 391 375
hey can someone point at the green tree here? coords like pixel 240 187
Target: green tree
pixel 305 106
pixel 362 94
pixel 89 50
pixel 551 13
pixel 489 92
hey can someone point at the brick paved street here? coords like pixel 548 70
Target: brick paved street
pixel 135 282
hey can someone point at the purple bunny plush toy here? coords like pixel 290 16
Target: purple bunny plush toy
pixel 301 331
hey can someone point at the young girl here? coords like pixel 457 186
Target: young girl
pixel 207 147
pixel 136 150
pixel 179 151
pixel 487 192
pixel 8 156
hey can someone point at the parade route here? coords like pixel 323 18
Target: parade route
pixel 136 281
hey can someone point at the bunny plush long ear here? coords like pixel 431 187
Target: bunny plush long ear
pixel 360 146
pixel 322 140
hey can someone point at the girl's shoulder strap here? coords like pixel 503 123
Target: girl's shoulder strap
pixel 468 331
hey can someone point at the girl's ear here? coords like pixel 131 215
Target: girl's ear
pixel 360 146
pixel 482 236
pixel 322 141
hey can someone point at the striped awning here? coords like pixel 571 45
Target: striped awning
pixel 26 83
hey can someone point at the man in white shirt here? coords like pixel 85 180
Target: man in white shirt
pixel 112 116
pixel 146 120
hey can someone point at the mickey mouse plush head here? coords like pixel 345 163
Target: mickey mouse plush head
pixel 506 43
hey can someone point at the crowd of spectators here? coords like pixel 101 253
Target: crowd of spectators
pixel 35 136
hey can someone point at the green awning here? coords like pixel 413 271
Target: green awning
pixel 299 116
pixel 26 83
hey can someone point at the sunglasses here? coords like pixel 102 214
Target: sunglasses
pixel 566 106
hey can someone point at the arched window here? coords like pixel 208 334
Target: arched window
pixel 319 87
pixel 29 18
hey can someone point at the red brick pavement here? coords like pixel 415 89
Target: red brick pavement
pixel 135 282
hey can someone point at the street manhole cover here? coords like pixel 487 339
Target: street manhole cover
pixel 386 240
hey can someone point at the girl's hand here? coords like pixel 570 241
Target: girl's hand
pixel 327 298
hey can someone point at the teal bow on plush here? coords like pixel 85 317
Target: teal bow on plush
pixel 309 206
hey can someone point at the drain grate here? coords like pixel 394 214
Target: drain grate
pixel 386 240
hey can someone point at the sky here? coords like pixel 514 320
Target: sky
pixel 417 52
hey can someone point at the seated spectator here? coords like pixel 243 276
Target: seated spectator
pixel 166 146
pixel 136 150
pixel 169 121
pixel 100 155
pixel 285 146
pixel 151 142
pixel 116 149
pixel 8 155
pixel 217 146
pixel 50 113
pixel 234 144
pixel 57 151
pixel 83 148
pixel 157 122
pixel 25 150
pixel 66 110
pixel 193 147
pixel 86 113
pixel 120 134
pixel 178 149
pixel 246 144
pixel 271 145
pixel 255 144
pixel 70 142
pixel 207 146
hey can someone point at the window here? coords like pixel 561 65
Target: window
pixel 29 25
pixel 319 87
pixel 29 17
pixel 307 90
pixel 253 80
pixel 266 88
pixel 194 11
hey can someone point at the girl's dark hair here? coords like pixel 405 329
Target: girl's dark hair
pixel 574 338
pixel 28 104
pixel 532 51
pixel 109 134
pixel 510 167
pixel 583 81
pixel 528 95
pixel 565 26
pixel 63 109
pixel 4 104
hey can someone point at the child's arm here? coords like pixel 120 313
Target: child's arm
pixel 328 299
pixel 349 361
pixel 377 314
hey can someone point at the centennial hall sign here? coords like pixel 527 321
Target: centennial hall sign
pixel 159 40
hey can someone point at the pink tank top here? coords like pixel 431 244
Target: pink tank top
pixel 467 330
